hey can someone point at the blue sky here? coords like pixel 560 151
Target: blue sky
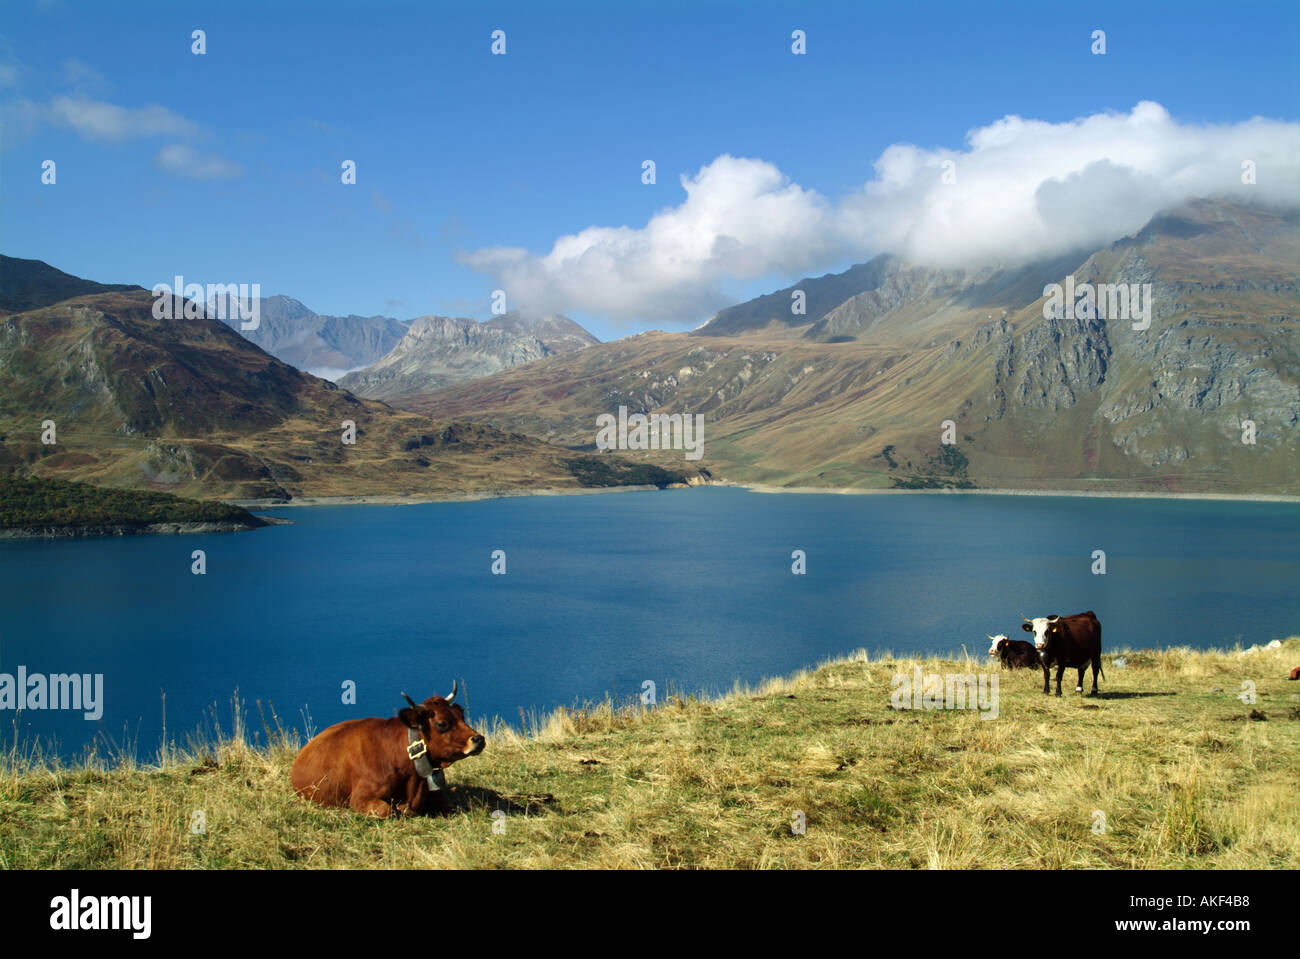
pixel 236 176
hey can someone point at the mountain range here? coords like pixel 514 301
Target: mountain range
pixel 895 375
pixel 192 407
pixel 438 351
pixel 378 356
pixel 426 353
pixel 890 360
pixel 326 346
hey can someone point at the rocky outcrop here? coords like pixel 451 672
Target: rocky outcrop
pixel 439 351
pixel 821 295
pixel 1060 359
pixel 557 334
pixel 896 289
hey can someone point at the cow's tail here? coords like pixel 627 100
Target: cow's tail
pixel 1100 667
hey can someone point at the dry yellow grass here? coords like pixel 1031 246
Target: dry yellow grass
pixel 1170 756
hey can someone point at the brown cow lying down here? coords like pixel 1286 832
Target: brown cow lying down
pixel 382 766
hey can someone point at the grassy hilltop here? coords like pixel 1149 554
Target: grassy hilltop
pixel 1185 774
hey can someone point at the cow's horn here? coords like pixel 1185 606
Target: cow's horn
pixel 1025 618
pixel 454 687
pixel 410 700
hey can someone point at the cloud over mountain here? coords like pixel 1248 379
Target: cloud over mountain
pixel 1020 189
pixel 1026 188
pixel 741 219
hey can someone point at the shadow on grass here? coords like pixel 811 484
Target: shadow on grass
pixel 466 798
pixel 1113 695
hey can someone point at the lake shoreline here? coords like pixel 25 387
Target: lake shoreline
pixel 385 499
pixel 1088 494
pixel 406 500
pixel 136 529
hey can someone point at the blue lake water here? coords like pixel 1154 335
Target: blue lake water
pixel 691 589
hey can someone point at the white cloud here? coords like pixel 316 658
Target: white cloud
pixel 97 120
pixel 741 219
pixel 180 159
pixel 1024 189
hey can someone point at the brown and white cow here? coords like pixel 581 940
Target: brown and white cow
pixel 382 766
pixel 1072 641
pixel 1013 653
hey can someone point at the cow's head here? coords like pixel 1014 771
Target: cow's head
pixel 440 722
pixel 996 643
pixel 1043 628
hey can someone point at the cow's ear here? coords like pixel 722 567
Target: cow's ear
pixel 409 717
pixel 1027 627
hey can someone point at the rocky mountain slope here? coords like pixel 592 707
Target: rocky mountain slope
pixel 191 407
pixel 557 334
pixel 857 391
pixel 323 345
pixel 438 351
